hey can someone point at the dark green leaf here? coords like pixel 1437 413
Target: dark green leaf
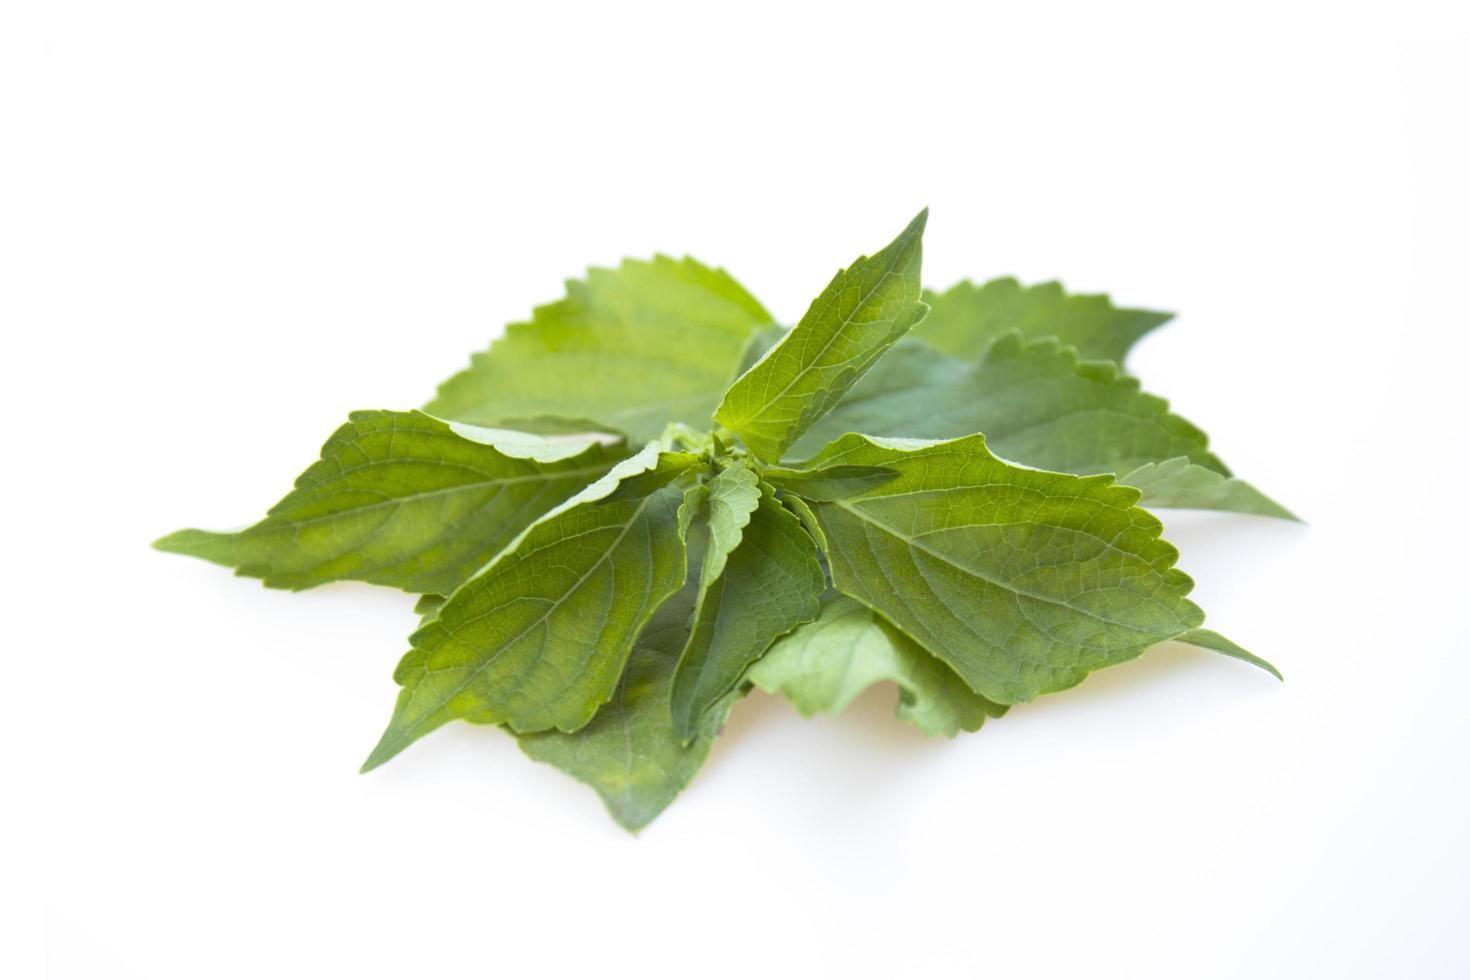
pixel 829 482
pixel 629 752
pixel 1021 580
pixel 770 583
pixel 538 638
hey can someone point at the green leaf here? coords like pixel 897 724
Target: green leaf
pixel 808 518
pixel 1210 640
pixel 629 752
pixel 428 604
pixel 1181 483
pixel 1037 403
pixel 632 348
pixel 762 341
pixel 825 664
pixel 831 482
pixel 539 637
pixel 863 310
pixel 728 501
pixel 556 439
pixel 1021 580
pixel 967 318
pixel 405 500
pixel 770 583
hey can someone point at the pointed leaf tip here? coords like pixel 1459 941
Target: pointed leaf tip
pixel 386 749
pixel 1210 640
pixel 916 224
pixel 861 313
pixel 1180 483
pixel 209 545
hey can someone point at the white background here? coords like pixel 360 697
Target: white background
pixel 225 225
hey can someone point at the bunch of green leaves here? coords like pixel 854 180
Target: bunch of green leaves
pixel 937 489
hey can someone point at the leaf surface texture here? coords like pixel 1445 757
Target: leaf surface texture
pixel 1023 581
pixel 965 319
pixel 629 753
pixel 631 348
pixel 862 312
pixel 405 500
pixel 538 639
pixel 770 583
pixel 1039 404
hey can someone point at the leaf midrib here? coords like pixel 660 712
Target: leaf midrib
pixel 426 495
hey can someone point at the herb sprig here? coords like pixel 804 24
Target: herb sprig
pixel 650 498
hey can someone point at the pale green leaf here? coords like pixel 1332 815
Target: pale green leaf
pixel 967 318
pixel 402 499
pixel 1021 580
pixel 629 752
pixel 539 637
pixel 1210 640
pixel 823 665
pixel 731 496
pixel 770 583
pixel 631 348
pixel 1182 483
pixel 863 310
pixel 546 446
